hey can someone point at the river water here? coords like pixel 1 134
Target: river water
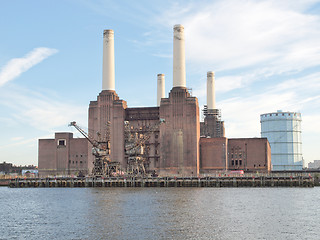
pixel 160 213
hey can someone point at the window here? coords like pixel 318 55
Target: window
pixel 61 142
pixel 236 162
pixel 240 162
pixel 232 162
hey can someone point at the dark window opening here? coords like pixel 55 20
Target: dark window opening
pixel 80 162
pixel 62 142
pixel 236 162
pixel 232 162
pixel 240 162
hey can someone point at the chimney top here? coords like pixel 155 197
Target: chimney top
pixel 178 26
pixel 210 74
pixel 108 32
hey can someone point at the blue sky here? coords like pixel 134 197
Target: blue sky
pixel 265 54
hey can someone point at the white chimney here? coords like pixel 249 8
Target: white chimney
pixel 160 88
pixel 108 80
pixel 211 101
pixel 179 62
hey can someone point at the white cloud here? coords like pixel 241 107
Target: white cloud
pixel 242 113
pixel 16 138
pixel 19 142
pixel 233 34
pixel 42 112
pixel 15 67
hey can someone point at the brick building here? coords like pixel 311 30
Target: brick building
pixel 63 155
pixel 173 148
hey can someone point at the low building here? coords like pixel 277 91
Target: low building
pixel 248 154
pixel 10 169
pixel 213 154
pixel 63 155
pixel 314 165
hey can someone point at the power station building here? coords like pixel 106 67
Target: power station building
pixel 283 130
pixel 178 143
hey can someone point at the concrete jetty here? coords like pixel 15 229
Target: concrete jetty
pixel 239 181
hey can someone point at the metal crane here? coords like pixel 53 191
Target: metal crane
pixel 102 165
pixel 135 147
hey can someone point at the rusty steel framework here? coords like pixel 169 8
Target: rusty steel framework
pixel 102 165
pixel 136 149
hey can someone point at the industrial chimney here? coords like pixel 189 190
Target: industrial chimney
pixel 108 80
pixel 160 88
pixel 211 101
pixel 179 62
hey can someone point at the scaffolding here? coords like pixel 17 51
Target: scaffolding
pixel 213 126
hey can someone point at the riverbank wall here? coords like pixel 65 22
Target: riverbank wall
pixel 218 182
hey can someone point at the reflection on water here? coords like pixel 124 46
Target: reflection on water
pixel 160 213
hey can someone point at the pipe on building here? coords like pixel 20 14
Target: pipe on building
pixel 179 62
pixel 160 88
pixel 211 99
pixel 108 79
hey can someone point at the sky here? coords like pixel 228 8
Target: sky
pixel 265 55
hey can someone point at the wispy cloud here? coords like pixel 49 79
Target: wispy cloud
pixel 15 67
pixel 242 113
pixel 42 111
pixel 233 34
pixel 16 138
